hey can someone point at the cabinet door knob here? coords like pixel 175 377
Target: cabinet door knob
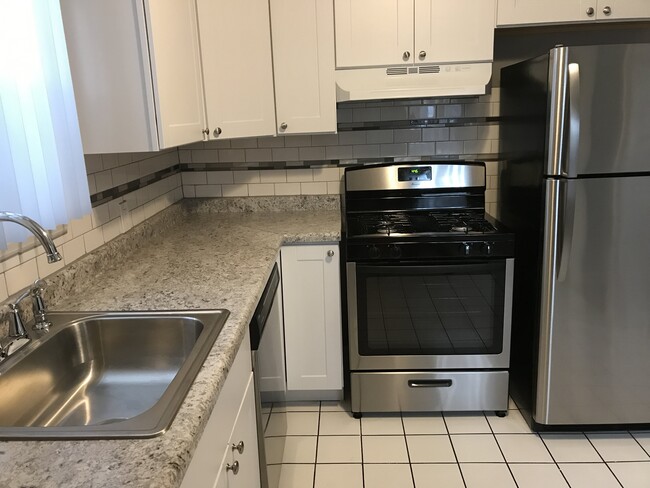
pixel 206 132
pixel 283 126
pixel 239 447
pixel 330 253
pixel 217 132
pixel 607 10
pixel 406 56
pixel 423 54
pixel 234 467
pixel 590 11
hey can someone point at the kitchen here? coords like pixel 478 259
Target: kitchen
pixel 131 188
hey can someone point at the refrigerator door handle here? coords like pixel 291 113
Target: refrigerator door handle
pixel 557 82
pixel 571 159
pixel 565 221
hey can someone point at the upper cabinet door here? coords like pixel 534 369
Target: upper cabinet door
pixel 237 67
pixel 520 12
pixel 454 31
pixel 622 9
pixel 176 69
pixel 373 32
pixel 303 61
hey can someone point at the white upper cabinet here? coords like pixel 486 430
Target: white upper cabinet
pixel 401 32
pixel 373 32
pixel 522 12
pixel 456 31
pixel 237 67
pixel 303 64
pixel 136 72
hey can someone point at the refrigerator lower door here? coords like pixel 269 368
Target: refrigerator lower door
pixel 594 344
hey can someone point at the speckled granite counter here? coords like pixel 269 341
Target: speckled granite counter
pixel 187 257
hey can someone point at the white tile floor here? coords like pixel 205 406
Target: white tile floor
pixel 328 448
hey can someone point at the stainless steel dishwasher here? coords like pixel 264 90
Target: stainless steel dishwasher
pixel 267 347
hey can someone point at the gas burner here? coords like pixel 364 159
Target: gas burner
pixel 460 227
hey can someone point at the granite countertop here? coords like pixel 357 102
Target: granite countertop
pixel 188 258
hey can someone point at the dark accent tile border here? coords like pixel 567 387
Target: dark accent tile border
pixel 416 123
pixel 106 196
pixel 337 163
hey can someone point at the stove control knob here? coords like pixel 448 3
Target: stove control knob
pixel 373 252
pixel 488 247
pixel 395 251
pixel 467 248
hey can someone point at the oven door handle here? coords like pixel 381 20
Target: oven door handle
pixel 429 383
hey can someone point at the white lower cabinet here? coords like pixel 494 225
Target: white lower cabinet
pixel 217 462
pixel 312 317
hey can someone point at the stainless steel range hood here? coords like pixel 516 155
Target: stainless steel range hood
pixel 433 80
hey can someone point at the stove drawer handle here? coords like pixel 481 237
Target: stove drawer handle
pixel 429 383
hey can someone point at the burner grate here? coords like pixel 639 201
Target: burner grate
pixel 413 223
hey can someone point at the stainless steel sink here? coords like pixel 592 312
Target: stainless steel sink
pixel 105 375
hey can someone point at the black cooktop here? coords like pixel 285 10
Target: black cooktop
pixel 419 223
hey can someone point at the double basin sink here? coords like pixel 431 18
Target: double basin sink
pixel 105 375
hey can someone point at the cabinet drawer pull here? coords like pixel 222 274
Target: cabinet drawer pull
pixel 239 447
pixel 423 54
pixel 429 383
pixel 234 467
pixel 216 132
pixel 590 11
pixel 330 253
pixel 406 56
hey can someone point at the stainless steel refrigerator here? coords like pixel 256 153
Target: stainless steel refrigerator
pixel 575 187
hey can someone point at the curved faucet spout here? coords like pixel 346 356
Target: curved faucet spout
pixel 38 231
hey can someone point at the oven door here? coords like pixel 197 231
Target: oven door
pixel 429 316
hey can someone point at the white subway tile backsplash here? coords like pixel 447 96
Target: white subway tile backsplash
pixel 393 150
pixel 232 155
pixel 3 288
pixel 326 174
pixel 297 141
pixel 100 215
pixel 394 113
pixel 314 188
pixel 270 142
pixel 366 151
pixel 205 156
pixel 273 176
pixel 189 191
pixel 365 114
pixel 344 115
pixel 103 180
pixel 252 176
pixel 113 228
pixel 245 143
pixel 487 131
pixel 299 175
pixel 287 188
pixel 207 191
pixel 325 139
pixel 110 161
pixel 352 137
pixel 476 147
pixel 379 136
pixel 422 112
pixel 261 189
pixel 339 152
pixel 334 187
pixel 407 135
pixel 435 134
pixel 312 153
pixel 194 178
pixel 491 168
pixel 422 148
pixel 21 276
pixel 73 249
pixel 286 154
pixel 477 110
pixel 235 190
pixel 80 226
pixel 220 177
pixel 92 187
pixel 264 154
pixel 450 147
pixel 463 133
pixel 214 144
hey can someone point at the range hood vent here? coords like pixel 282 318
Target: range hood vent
pixel 412 81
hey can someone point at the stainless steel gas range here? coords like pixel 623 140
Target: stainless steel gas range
pixel 429 289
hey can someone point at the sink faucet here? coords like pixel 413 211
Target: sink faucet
pixel 17 336
pixel 35 228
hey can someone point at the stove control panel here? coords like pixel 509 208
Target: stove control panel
pixel 466 249
pixel 414 173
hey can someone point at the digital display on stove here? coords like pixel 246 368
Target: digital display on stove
pixel 414 173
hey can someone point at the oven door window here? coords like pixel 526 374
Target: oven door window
pixel 431 310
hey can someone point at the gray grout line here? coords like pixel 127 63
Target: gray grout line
pixel 408 451
pixel 601 457
pixel 501 450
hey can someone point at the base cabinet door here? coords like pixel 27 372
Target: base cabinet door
pixel 232 421
pixel 312 315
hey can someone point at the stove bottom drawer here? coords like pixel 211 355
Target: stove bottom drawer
pixel 429 392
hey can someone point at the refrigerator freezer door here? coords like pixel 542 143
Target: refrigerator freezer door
pixel 599 110
pixel 595 318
